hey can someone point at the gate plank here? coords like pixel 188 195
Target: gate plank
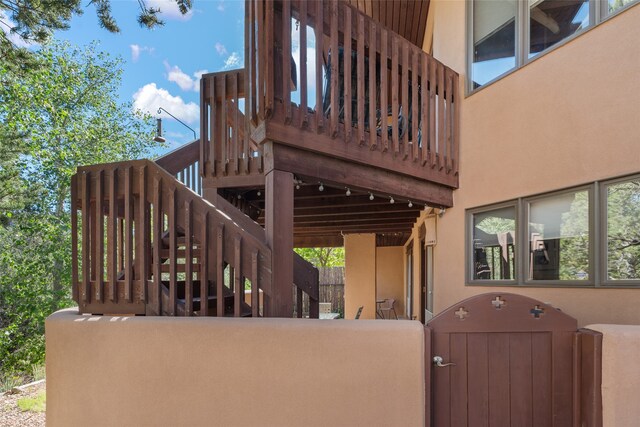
pixel 499 362
pixel 541 378
pixel 520 379
pixel 459 395
pixel 478 381
pixel 442 380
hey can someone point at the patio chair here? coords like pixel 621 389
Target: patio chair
pixel 359 312
pixel 388 308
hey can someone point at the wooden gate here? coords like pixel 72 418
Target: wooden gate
pixel 501 359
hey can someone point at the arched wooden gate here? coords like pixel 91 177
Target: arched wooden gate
pixel 501 359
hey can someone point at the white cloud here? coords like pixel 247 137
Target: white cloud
pixel 136 50
pixel 233 61
pixel 6 25
pixel 150 97
pixel 169 9
pixel 221 49
pixel 182 79
pixel 220 6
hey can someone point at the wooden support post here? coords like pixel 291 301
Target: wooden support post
pixel 279 231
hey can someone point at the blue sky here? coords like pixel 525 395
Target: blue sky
pixel 162 66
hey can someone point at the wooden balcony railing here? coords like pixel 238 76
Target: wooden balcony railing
pixel 184 164
pixel 376 98
pixel 145 244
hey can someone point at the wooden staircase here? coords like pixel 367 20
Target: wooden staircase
pixel 145 243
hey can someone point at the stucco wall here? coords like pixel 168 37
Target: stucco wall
pixel 570 117
pixel 390 275
pixel 360 275
pixel 620 374
pixel 160 371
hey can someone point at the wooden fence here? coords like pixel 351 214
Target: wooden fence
pixel 331 290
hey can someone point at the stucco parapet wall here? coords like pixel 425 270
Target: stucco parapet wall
pixel 620 374
pixel 160 371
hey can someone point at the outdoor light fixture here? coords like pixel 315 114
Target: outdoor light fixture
pixel 159 137
pixel 391 200
pixel 297 186
pixel 348 193
pixel 259 193
pixel 160 110
pixel 410 204
pixel 370 196
pixel 321 188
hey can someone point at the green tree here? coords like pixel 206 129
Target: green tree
pixel 24 22
pixel 323 257
pixel 58 117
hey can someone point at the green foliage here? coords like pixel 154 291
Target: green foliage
pixel 623 230
pixel 52 120
pixel 38 403
pixel 28 22
pixel 323 257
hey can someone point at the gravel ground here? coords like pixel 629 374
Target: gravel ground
pixel 11 415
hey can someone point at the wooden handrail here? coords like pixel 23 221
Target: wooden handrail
pixel 184 164
pixel 155 227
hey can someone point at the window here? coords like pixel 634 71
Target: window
pixel 623 230
pixel 564 238
pixel 558 234
pixel 507 34
pixel 494 244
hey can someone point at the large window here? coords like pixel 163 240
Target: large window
pixel 506 34
pixel 564 238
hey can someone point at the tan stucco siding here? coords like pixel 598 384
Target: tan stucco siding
pixel 570 117
pixel 161 371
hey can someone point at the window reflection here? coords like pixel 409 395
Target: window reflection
pixel 494 244
pixel 623 230
pixel 551 21
pixel 559 237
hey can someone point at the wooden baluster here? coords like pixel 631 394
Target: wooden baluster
pixel 204 266
pixel 394 96
pixel 220 270
pixel 142 233
pixel 335 68
pixel 348 95
pixel 433 81
pixel 373 87
pixel 157 243
pixel 286 60
pixel 248 47
pixel 99 248
pixel 441 113
pixel 415 103
pixel 425 107
pixel 236 125
pixel 214 125
pixel 173 254
pixel 456 122
pixel 74 238
pixel 405 98
pixel 319 36
pixel 204 125
pixel 255 282
pixel 270 54
pixel 224 140
pixel 237 277
pixel 448 119
pixel 128 221
pixel 262 60
pixel 360 68
pixel 304 102
pixel 251 89
pixel 120 244
pixel 384 89
pixel 112 238
pixel 86 237
pixel 299 304
pixel 188 258
pixel 187 173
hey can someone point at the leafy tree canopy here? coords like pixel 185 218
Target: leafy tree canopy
pixel 323 257
pixel 25 22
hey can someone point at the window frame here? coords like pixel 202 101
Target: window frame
pixel 603 264
pixel 598 268
pixel 598 13
pixel 469 246
pixel 591 233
